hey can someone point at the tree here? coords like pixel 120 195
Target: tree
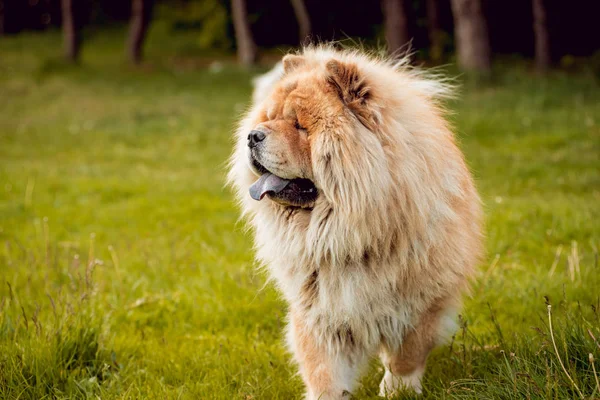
pixel 471 33
pixel 303 20
pixel 71 31
pixel 2 17
pixel 141 14
pixel 436 35
pixel 396 25
pixel 246 48
pixel 542 40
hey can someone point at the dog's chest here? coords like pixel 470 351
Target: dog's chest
pixel 347 306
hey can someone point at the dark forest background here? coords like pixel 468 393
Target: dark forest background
pixel 572 25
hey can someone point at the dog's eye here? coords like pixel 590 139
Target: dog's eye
pixel 298 126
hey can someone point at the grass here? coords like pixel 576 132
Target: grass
pixel 124 274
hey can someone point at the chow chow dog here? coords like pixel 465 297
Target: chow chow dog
pixel 363 210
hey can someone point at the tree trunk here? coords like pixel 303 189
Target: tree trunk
pixel 471 32
pixel 542 40
pixel 246 49
pixel 2 11
pixel 434 28
pixel 303 20
pixel 396 25
pixel 71 33
pixel 141 14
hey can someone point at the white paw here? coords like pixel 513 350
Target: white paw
pixel 391 384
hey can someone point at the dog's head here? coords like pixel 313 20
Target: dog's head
pixel 314 138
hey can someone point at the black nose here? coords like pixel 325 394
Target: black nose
pixel 254 137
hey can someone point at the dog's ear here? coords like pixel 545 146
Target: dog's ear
pixel 353 89
pixel 291 62
pixel 346 79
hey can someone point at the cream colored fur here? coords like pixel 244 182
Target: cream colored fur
pixel 263 84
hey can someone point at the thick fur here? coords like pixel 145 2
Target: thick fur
pixel 263 84
pixel 382 256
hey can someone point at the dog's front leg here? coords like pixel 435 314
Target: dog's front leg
pixel 329 374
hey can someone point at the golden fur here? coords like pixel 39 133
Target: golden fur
pixel 377 263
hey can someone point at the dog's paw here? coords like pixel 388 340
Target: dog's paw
pixel 391 384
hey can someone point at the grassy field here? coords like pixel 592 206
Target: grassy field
pixel 125 274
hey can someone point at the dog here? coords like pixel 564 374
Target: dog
pixel 364 213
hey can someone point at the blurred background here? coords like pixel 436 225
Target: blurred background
pixel 124 269
pixel 472 32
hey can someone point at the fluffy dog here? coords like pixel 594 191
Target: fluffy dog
pixel 363 212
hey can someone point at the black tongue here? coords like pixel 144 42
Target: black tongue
pixel 267 183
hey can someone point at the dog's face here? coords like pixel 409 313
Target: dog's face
pixel 307 111
pixel 280 144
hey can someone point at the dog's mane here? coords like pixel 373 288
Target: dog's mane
pixel 406 157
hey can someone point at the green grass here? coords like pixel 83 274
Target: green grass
pixel 125 274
